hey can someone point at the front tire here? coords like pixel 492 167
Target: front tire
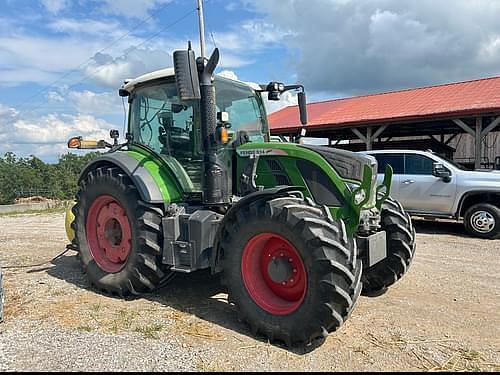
pixel 401 246
pixel 290 270
pixel 118 237
pixel 483 220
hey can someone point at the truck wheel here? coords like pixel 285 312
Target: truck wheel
pixel 118 236
pixel 292 272
pixel 483 220
pixel 400 250
pixel 2 298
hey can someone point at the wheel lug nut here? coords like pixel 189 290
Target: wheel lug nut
pixel 283 283
pixel 291 280
pixel 294 270
pixel 290 260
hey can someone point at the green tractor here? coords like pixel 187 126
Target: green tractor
pixel 297 231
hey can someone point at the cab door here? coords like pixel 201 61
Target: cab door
pixel 421 191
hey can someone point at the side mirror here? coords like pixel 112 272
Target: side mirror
pixel 302 107
pixel 440 171
pixel 186 75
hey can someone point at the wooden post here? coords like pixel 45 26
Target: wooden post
pixel 478 149
pixel 369 139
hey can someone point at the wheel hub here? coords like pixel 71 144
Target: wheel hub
pixel 274 273
pixel 482 221
pixel 109 233
pixel 280 270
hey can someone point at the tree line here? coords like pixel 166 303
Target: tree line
pixel 22 177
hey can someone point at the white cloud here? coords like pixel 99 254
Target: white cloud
pixel 47 135
pixel 88 102
pixel 355 47
pixel 54 6
pixel 111 72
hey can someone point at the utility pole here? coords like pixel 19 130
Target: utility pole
pixel 202 28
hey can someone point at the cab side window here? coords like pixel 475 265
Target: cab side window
pixel 396 161
pixel 418 164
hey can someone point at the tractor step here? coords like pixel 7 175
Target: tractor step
pixel 188 239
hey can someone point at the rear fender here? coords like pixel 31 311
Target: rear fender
pixel 152 189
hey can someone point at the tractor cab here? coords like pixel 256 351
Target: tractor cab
pixel 171 127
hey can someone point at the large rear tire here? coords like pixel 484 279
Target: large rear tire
pixel 290 270
pixel 401 246
pixel 119 238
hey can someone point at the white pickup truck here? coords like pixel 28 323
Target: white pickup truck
pixel 429 185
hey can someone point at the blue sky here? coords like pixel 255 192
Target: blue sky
pixel 62 61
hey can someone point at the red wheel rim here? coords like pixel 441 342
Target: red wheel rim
pixel 274 273
pixel 108 234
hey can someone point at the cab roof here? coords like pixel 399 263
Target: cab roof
pixel 130 84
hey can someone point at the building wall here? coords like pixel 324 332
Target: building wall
pixel 465 144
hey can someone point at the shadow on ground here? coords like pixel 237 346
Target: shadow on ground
pixel 197 293
pixel 439 227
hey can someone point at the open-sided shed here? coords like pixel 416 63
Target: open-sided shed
pixel 438 112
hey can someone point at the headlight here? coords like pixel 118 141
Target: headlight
pixel 359 196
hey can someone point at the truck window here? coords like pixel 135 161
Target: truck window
pixel 394 160
pixel 418 164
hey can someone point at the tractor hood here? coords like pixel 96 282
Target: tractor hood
pixel 348 165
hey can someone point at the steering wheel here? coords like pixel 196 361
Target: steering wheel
pixel 179 135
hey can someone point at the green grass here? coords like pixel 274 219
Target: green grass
pixel 150 331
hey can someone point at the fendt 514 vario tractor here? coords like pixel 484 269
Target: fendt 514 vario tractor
pixel 298 231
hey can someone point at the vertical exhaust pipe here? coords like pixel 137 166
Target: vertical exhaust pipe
pixel 195 81
pixel 215 177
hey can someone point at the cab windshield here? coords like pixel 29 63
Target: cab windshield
pixel 245 111
pixel 172 128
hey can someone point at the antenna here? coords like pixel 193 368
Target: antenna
pixel 202 29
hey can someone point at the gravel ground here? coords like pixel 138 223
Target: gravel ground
pixel 443 315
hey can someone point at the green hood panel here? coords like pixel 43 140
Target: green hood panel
pixel 315 169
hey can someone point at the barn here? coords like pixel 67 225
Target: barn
pixel 460 120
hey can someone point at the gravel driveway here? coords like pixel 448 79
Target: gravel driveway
pixel 443 315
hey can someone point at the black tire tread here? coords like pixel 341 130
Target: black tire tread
pixel 401 246
pixel 338 270
pixel 148 271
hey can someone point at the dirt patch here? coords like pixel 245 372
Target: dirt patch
pixel 443 315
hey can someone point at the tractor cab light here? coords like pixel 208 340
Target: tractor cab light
pixel 223 135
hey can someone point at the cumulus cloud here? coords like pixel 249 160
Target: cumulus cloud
pixel 47 135
pixel 111 72
pixel 89 102
pixel 354 47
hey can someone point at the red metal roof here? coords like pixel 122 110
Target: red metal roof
pixel 454 99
